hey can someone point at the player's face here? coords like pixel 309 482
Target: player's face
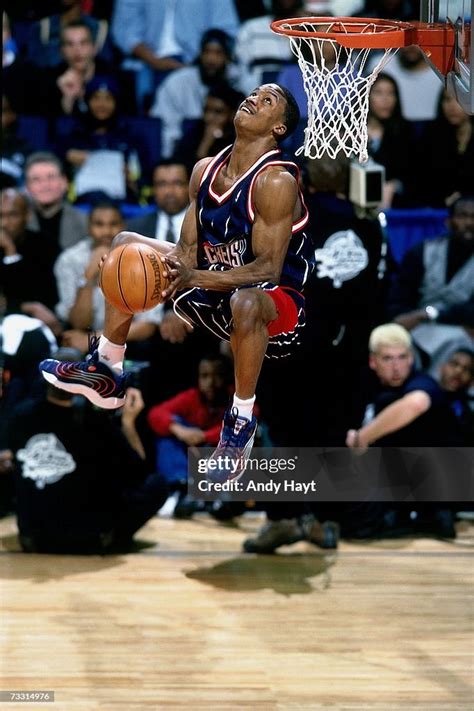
pixel 210 379
pixel 104 224
pixel 45 183
pixel 13 214
pixel 392 365
pixel 383 99
pixel 263 110
pixel 170 188
pixel 77 47
pixel 456 373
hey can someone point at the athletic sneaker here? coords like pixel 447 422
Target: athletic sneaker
pixel 228 460
pixel 274 534
pixel 90 377
pixel 323 535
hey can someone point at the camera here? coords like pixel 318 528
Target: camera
pixel 366 181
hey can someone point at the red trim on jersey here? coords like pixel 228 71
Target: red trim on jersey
pixel 221 198
pixel 287 318
pixel 210 165
pixel 302 221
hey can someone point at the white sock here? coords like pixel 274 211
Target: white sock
pixel 244 407
pixel 111 354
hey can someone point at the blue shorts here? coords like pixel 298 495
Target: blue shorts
pixel 212 310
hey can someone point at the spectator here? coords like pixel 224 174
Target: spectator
pixel 47 185
pixel 14 149
pixel 44 47
pixel 82 501
pixel 390 140
pixel 64 85
pixel 447 155
pixel 182 94
pixel 258 50
pixel 27 259
pixel 417 82
pixel 171 194
pixel 102 128
pixel 409 409
pixel 190 419
pixel 433 296
pixel 215 130
pixel 456 376
pixel 164 36
pixel 81 302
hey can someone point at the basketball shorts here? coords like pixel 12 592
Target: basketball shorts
pixel 212 310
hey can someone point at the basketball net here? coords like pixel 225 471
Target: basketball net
pixel 337 92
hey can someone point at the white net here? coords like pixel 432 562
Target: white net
pixel 337 88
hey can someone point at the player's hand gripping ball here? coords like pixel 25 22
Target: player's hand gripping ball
pixel 132 278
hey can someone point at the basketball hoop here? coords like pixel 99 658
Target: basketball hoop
pixel 332 54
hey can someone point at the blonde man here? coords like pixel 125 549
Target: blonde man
pixel 409 408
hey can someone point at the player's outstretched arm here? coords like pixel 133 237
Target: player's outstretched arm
pixel 275 198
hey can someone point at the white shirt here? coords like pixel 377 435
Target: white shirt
pixel 162 225
pixel 168 47
pixel 69 271
pixel 419 89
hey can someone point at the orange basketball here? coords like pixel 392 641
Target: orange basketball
pixel 132 278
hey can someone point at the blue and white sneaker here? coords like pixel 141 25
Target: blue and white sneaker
pixel 90 378
pixel 228 461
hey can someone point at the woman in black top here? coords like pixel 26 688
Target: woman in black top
pixel 447 159
pixel 390 140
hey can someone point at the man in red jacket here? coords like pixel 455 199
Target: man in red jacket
pixel 190 419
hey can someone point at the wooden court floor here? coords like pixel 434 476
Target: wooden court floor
pixel 189 622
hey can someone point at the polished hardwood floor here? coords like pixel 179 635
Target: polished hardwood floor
pixel 189 622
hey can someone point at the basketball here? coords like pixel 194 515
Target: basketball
pixel 132 278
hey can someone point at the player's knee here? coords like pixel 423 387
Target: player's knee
pixel 246 307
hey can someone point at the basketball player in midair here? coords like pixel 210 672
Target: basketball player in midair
pixel 238 268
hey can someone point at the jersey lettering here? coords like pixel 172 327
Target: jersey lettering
pixel 229 255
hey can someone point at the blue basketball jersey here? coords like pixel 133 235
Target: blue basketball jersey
pixel 225 222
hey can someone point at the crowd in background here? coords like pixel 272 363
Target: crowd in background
pixel 106 107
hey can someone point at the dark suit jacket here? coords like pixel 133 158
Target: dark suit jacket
pixel 144 225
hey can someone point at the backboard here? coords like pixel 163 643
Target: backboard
pixel 458 14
